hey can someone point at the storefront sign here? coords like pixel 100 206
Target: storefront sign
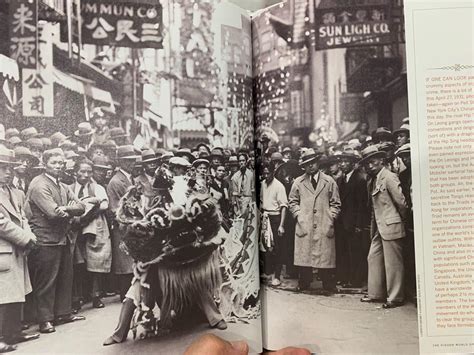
pixel 38 83
pixel 353 26
pixel 23 20
pixel 122 23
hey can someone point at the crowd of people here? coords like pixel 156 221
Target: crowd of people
pixel 59 233
pixel 343 211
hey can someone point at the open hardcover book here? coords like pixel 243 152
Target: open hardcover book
pixel 275 177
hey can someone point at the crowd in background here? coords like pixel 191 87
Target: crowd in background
pixel 342 210
pixel 59 233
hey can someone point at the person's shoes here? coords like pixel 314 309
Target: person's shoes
pixel 276 282
pixel 69 319
pixel 367 299
pixel 22 337
pixel 393 304
pixel 110 341
pixel 97 303
pixel 46 327
pixel 221 325
pixel 5 348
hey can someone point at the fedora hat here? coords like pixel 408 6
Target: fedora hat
pixel 7 156
pixel 57 138
pixel 46 142
pixel 205 146
pixel 11 132
pixel 127 152
pixel 404 128
pixel 309 156
pixel 185 153
pixel 370 152
pixel 34 143
pixel 403 150
pixel 350 153
pixel 84 129
pixel 117 132
pixel 179 161
pixel 382 133
pixel 277 156
pixel 287 150
pixel 198 162
pixel 15 140
pixel 149 156
pixel 29 132
pixel 23 152
pixel 102 163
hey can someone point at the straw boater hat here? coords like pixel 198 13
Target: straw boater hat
pixel 84 129
pixel 382 133
pixel 7 156
pixel 198 162
pixel 127 152
pixel 350 153
pixel 180 161
pixel 372 152
pixel 403 150
pixel 309 156
pixel 11 132
pixel 23 152
pixel 149 156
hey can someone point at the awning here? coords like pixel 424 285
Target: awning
pixel 9 68
pixel 82 87
pixel 191 124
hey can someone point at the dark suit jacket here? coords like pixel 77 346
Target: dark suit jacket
pixel 354 199
pixel 42 199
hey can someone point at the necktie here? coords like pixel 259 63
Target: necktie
pixel 81 192
pixel 313 182
pixel 242 186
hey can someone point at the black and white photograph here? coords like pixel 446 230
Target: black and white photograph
pixel 334 170
pixel 128 216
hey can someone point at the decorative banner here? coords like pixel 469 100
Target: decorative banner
pixel 122 23
pixel 353 26
pixel 23 21
pixel 37 84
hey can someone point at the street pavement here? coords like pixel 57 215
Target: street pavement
pixel 86 337
pixel 337 324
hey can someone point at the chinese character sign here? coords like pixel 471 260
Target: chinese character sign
pixel 352 26
pixel 37 84
pixel 23 22
pixel 122 23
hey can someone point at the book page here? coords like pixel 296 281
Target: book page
pixel 129 127
pixel 336 243
pixel 441 88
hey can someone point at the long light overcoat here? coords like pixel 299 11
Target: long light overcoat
pixel 315 211
pixel 14 235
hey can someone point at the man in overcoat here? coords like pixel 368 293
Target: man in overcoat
pixel 50 207
pixel 15 240
pixel 314 202
pixel 389 212
pixel 117 187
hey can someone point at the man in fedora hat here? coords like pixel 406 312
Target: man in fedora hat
pixel 389 211
pixel 50 208
pixel 23 175
pixel 242 186
pixel 16 239
pixel 100 122
pixel 314 202
pixel 150 162
pixel 353 226
pixel 84 135
pixel 402 135
pixel 409 248
pixel 117 187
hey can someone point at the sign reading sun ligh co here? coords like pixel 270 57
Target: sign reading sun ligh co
pixel 352 26
pixel 122 23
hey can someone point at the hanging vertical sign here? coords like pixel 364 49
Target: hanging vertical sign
pixel 37 84
pixel 23 24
